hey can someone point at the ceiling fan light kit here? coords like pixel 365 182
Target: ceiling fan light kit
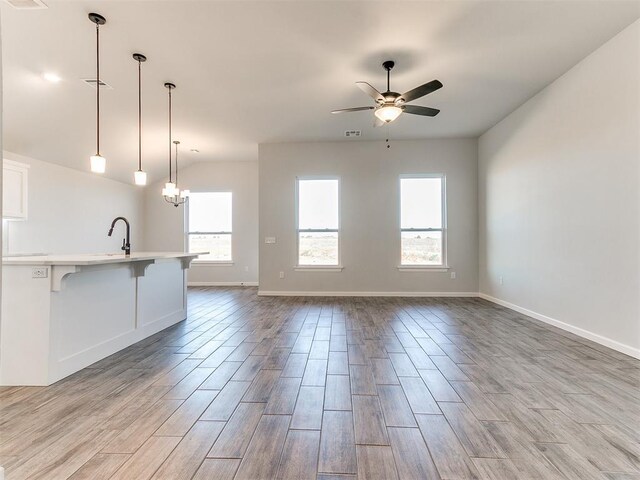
pixel 390 105
pixel 388 114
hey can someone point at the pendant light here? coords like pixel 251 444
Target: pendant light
pixel 140 177
pixel 98 162
pixel 171 192
pixel 178 197
pixel 169 187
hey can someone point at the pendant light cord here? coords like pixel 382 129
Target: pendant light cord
pixel 176 164
pixel 170 163
pixel 98 89
pixel 139 116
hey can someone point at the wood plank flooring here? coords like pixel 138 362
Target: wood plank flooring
pixel 335 388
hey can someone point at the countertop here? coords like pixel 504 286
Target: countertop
pixel 94 259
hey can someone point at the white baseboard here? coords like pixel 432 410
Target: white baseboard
pixel 594 337
pixel 364 294
pixel 222 284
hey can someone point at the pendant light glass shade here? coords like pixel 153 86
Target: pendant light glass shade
pixel 140 177
pixel 169 189
pixel 98 164
pixel 388 113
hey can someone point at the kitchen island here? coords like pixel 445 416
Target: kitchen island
pixel 61 313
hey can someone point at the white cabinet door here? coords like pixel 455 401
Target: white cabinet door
pixel 14 189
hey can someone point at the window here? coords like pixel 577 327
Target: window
pixel 422 220
pixel 209 225
pixel 318 224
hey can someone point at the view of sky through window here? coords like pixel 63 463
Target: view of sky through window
pixel 210 225
pixel 318 210
pixel 421 200
pixel 421 213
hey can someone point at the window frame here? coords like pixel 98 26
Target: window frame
pixel 324 268
pixel 197 261
pixel 444 266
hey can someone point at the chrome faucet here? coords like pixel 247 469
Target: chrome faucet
pixel 126 245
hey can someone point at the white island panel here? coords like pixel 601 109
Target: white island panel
pixel 87 308
pixel 25 336
pixel 161 294
pixel 93 315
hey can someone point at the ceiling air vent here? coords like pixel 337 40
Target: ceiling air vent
pixel 27 4
pixel 92 83
pixel 352 133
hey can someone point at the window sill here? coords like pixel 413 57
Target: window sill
pixel 423 268
pixel 211 263
pixel 318 268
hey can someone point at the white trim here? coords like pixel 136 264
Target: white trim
pixel 318 268
pixel 364 294
pixel 594 337
pixel 211 263
pixel 222 284
pixel 423 268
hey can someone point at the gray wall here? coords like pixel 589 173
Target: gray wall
pixel 70 212
pixel 370 239
pixel 164 224
pixel 559 199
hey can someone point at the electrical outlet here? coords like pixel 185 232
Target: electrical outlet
pixel 500 280
pixel 453 275
pixel 281 274
pixel 39 272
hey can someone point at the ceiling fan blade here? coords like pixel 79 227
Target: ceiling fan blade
pixel 417 110
pixel 421 91
pixel 355 109
pixel 377 122
pixel 371 91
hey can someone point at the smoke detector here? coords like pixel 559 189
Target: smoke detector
pixel 27 4
pixel 352 133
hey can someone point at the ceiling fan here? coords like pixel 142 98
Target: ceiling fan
pixel 389 105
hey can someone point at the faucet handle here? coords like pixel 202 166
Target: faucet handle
pixel 124 244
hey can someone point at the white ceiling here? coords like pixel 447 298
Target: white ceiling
pixel 254 72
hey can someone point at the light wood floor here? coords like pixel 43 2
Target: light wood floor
pixel 318 388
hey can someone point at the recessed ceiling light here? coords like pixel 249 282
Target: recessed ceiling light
pixel 51 77
pixel 27 4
